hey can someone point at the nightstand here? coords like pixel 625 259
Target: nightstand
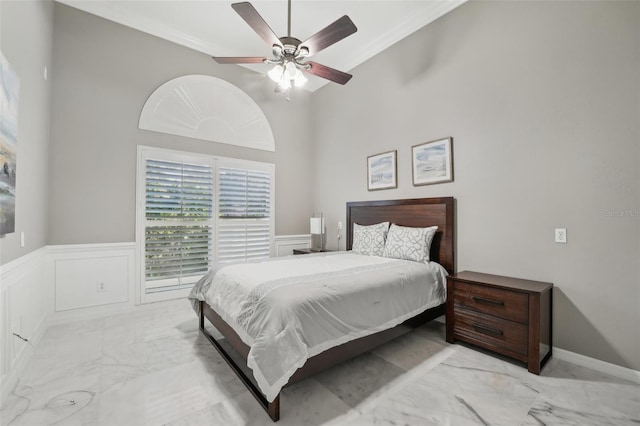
pixel 506 315
pixel 309 250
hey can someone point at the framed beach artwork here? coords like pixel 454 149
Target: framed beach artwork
pixel 382 171
pixel 432 162
pixel 9 94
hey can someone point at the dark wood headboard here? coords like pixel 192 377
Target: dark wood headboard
pixel 417 212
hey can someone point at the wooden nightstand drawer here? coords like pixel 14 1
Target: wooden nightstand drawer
pixel 499 335
pixel 505 304
pixel 507 315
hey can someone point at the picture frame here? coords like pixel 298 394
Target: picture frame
pixel 9 99
pixel 382 171
pixel 432 162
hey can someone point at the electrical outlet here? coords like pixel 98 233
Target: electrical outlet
pixel 339 226
pixel 22 239
pixel 101 287
pixel 561 235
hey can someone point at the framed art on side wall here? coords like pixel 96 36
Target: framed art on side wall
pixel 432 162
pixel 382 171
pixel 9 96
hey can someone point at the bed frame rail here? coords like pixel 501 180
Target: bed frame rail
pixel 315 364
pixel 272 408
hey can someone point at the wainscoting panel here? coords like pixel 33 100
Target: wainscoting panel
pixel 89 275
pixel 25 303
pixel 285 244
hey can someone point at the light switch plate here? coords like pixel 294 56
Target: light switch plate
pixel 561 235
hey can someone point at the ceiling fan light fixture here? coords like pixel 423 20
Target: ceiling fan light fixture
pixel 276 73
pixel 300 79
pixel 284 84
pixel 291 70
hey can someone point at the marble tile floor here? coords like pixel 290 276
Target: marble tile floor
pixel 151 367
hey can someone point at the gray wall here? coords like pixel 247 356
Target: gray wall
pixel 26 30
pixel 542 100
pixel 103 74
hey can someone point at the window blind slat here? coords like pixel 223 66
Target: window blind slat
pixel 179 192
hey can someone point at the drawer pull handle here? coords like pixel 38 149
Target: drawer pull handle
pixel 487 330
pixel 488 301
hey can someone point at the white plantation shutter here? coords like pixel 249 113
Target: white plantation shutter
pixel 196 211
pixel 179 223
pixel 244 215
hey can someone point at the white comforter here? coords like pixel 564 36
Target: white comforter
pixel 289 309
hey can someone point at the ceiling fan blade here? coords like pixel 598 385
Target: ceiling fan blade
pixel 238 60
pixel 328 73
pixel 255 21
pixel 331 34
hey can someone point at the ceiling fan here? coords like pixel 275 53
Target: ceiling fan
pixel 289 53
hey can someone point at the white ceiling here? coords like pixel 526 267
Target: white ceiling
pixel 214 28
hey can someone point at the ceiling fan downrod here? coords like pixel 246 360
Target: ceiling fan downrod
pixel 289 20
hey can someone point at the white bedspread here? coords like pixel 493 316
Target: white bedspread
pixel 289 309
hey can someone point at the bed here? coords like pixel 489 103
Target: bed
pixel 268 360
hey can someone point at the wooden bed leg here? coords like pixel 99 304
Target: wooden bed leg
pixel 201 315
pixel 273 409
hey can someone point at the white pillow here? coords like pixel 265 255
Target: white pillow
pixel 409 243
pixel 370 239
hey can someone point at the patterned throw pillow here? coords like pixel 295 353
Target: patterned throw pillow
pixel 409 243
pixel 370 239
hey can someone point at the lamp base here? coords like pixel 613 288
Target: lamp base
pixel 318 242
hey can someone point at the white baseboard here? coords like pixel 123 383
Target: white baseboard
pixel 597 365
pixel 96 312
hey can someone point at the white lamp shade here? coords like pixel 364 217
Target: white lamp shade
pixel 317 225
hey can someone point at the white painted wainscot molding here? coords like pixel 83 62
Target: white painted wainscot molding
pixel 58 284
pixel 285 244
pixel 90 279
pixel 26 300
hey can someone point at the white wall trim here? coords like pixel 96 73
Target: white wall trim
pixel 16 354
pixel 82 248
pixel 598 365
pixel 90 256
pixel 293 237
pixel 11 272
pixel 284 244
